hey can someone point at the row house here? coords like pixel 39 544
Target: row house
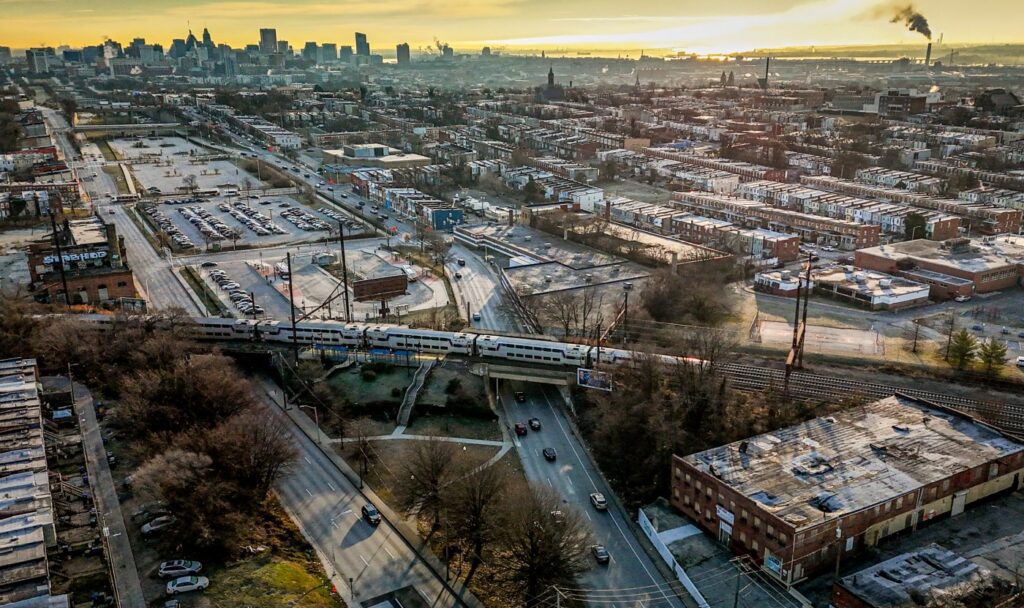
pixel 745 170
pixel 566 169
pixel 987 219
pixel 844 234
pixel 1000 197
pixel 946 168
pixel 723 235
pixel 890 217
pixel 903 180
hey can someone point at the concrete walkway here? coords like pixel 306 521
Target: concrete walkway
pixel 108 508
pixel 392 437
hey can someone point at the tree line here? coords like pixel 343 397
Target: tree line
pixel 208 452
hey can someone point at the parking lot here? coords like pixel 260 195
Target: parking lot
pixel 251 221
pixel 260 278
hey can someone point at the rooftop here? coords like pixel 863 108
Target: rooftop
pixel 963 254
pixel 930 576
pixel 835 465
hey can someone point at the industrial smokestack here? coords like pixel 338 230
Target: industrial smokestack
pixel 928 58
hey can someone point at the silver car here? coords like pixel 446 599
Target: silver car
pixel 177 568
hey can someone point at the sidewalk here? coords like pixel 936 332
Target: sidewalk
pixel 399 523
pixel 108 508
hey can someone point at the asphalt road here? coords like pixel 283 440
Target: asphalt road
pixel 574 476
pixel 154 273
pixel 368 561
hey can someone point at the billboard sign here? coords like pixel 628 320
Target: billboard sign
pixel 592 378
pixel 380 288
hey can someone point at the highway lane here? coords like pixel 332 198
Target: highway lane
pixel 369 560
pixel 574 476
pixel 154 273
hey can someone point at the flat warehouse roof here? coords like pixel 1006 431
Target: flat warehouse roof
pixel 855 459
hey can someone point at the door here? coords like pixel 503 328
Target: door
pixel 959 502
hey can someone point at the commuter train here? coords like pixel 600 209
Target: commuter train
pixel 361 336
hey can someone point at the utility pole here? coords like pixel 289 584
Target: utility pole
pixel 291 306
pixel 949 336
pixel 344 270
pixel 736 593
pixel 917 330
pixel 60 259
pixel 807 299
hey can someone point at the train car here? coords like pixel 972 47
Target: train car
pixel 424 340
pixel 213 328
pixel 321 332
pixel 531 351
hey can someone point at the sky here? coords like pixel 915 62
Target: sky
pixel 659 26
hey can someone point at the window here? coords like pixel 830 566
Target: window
pixel 945 485
pixel 743 515
pixel 799 539
pixel 771 531
pixel 743 538
pixel 687 478
pixel 708 491
pixel 783 539
pixel 757 523
pixel 753 545
pixel 899 502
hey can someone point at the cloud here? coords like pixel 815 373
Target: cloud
pixel 249 9
pixel 711 32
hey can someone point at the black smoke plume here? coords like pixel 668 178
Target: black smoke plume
pixel 914 20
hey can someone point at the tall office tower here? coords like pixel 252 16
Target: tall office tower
pixel 309 52
pixel 345 55
pixel 402 51
pixel 283 47
pixel 268 40
pixel 329 52
pixel 362 46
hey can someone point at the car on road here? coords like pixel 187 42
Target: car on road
pixel 371 515
pixel 550 454
pixel 962 298
pixel 177 568
pixel 458 275
pixel 521 429
pixel 598 500
pixel 209 264
pixel 462 262
pixel 111 211
pixel 476 316
pixel 601 554
pixel 815 258
pixel 534 423
pixel 160 523
pixel 1020 361
pixel 186 584
pixel 520 396
pixel 1005 331
pixel 978 327
pixel 1020 334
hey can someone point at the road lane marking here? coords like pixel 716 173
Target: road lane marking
pixel 310 493
pixel 306 458
pixel 587 473
pixel 587 513
pixel 331 485
pixel 364 560
pixel 391 555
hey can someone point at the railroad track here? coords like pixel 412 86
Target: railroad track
pixel 807 385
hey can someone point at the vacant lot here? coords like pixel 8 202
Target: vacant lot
pixel 353 386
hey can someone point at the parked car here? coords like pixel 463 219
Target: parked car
pixel 1005 331
pixel 371 515
pixel 208 264
pixel 1020 361
pixel 520 396
pixel 462 262
pixel 521 429
pixel 977 327
pixel 601 554
pixel 476 316
pixel 597 499
pixel 534 423
pixel 458 275
pixel 158 524
pixel 177 568
pixel 962 298
pixel 550 454
pixel 186 584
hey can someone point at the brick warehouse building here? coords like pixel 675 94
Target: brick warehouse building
pixel 797 498
pixel 95 265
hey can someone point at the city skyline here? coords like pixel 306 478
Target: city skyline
pixel 652 25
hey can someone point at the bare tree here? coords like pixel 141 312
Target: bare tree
pixel 253 450
pixel 429 467
pixel 476 501
pixel 545 543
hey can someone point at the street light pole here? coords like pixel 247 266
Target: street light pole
pixel 316 420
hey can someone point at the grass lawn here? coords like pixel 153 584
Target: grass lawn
pixel 352 387
pixel 115 173
pixel 433 390
pixel 447 425
pixel 288 573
